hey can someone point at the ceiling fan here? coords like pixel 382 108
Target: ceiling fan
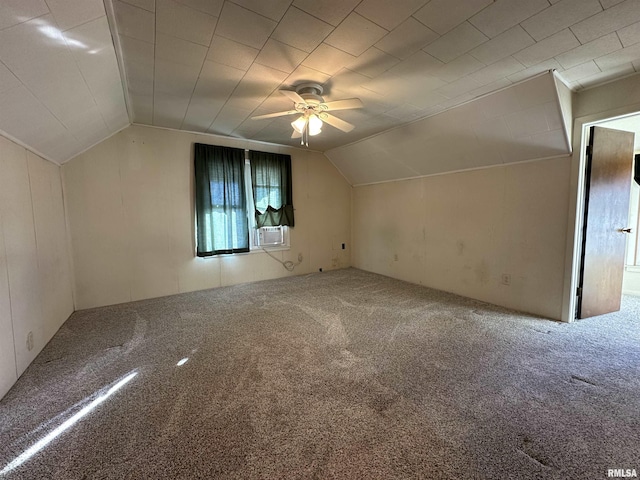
pixel 313 110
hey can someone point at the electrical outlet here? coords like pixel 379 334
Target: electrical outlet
pixel 395 257
pixel 299 257
pixel 506 279
pixel 30 341
pixel 344 246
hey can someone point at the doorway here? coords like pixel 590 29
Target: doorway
pixel 625 275
pixel 631 280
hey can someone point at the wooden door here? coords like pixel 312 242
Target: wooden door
pixel 608 186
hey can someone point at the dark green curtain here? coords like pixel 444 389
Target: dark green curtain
pixel 221 202
pixel 272 192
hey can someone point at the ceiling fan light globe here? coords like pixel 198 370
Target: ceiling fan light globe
pixel 299 124
pixel 315 125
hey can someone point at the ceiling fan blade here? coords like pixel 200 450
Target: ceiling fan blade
pixel 344 104
pixel 272 115
pixel 293 96
pixel 336 122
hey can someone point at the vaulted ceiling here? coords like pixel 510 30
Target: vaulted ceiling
pixel 73 72
pixel 60 86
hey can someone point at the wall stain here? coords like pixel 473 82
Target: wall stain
pixel 482 272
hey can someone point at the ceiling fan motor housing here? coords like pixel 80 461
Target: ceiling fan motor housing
pixel 311 92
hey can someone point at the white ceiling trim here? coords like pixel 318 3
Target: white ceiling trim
pixel 463 170
pixel 227 138
pixel 111 19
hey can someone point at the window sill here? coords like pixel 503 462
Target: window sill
pixel 253 251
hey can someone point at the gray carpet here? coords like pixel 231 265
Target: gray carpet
pixel 344 374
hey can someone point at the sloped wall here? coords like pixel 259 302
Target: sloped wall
pixel 35 275
pixel 131 216
pixel 522 122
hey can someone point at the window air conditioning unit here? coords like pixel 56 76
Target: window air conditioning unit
pixel 271 236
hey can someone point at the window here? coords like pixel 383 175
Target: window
pixel 240 205
pixel 221 203
pixel 271 183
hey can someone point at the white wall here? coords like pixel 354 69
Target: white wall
pixel 631 281
pixel 131 217
pixel 35 275
pixel 460 232
pixel 606 101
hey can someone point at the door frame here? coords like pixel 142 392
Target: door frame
pixel 581 126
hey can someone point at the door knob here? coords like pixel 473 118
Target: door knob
pixel 625 230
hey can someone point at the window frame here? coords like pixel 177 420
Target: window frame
pixel 254 231
pixel 205 164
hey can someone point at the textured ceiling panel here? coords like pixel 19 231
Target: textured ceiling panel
pixel 211 65
pixel 521 122
pixel 405 60
pixel 61 87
